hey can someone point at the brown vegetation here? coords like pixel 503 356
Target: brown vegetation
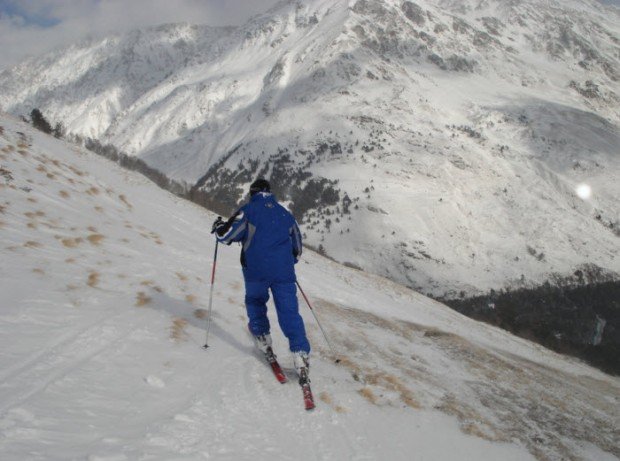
pixel 71 242
pixel 93 279
pixel 190 299
pixel 142 299
pixel 368 394
pixel 123 199
pixel 177 331
pixel 95 239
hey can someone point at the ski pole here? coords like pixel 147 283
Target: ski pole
pixel 318 323
pixel 211 296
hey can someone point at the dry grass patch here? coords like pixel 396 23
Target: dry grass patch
pixel 72 242
pixel 93 279
pixel 64 194
pixel 70 260
pixel 190 299
pixel 36 270
pixel 32 200
pixel 98 209
pixel 93 191
pixel 182 277
pixel 32 244
pixel 200 314
pixel 123 199
pixel 326 398
pixel 95 239
pixel 368 394
pixel 76 171
pixel 142 299
pixel 471 422
pixel 151 284
pixel 32 225
pixel 2 208
pixel 392 383
pixel 177 330
pixel 92 229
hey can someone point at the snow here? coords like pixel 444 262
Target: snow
pixel 105 281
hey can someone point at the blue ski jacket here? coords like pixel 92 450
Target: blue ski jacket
pixel 270 237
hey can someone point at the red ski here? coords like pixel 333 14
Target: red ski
pixel 275 366
pixel 304 382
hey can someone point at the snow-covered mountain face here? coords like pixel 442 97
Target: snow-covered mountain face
pixel 438 143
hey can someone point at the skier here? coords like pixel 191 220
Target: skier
pixel 271 246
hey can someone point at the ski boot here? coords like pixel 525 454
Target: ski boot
pixel 263 343
pixel 301 360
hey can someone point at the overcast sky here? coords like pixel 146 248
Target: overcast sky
pixel 31 27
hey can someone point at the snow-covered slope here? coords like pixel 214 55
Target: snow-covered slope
pixel 104 282
pixel 438 143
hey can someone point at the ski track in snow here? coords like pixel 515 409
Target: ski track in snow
pixel 105 283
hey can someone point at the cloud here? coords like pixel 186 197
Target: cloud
pixel 33 27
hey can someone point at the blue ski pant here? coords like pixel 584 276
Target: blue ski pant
pixel 287 308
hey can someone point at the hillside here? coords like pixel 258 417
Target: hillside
pixel 436 143
pixel 104 286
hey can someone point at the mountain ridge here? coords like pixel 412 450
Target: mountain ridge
pixel 476 118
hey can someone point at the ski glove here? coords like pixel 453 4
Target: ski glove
pixel 218 226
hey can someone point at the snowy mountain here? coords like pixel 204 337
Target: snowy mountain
pixel 437 143
pixel 102 323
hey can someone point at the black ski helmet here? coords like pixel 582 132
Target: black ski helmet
pixel 260 185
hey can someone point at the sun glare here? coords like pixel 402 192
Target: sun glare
pixel 584 191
